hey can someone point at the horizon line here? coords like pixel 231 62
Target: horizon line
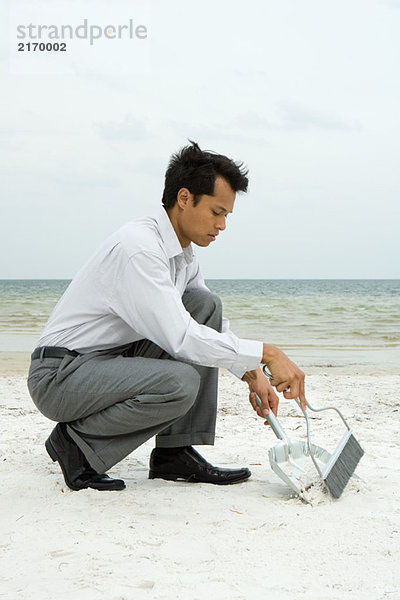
pixel 230 278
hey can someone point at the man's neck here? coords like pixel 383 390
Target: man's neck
pixel 173 217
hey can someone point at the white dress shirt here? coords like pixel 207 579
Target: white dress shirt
pixel 131 289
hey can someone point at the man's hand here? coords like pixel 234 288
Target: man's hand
pixel 259 384
pixel 286 375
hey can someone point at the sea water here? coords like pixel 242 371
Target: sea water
pixel 348 324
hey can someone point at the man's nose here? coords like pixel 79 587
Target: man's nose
pixel 221 224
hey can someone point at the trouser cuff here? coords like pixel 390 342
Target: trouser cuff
pixel 185 439
pixel 93 459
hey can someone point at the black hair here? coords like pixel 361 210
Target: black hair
pixel 196 170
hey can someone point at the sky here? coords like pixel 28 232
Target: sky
pixel 305 93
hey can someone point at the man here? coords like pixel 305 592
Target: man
pixel 132 348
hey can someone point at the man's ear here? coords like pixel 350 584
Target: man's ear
pixel 183 197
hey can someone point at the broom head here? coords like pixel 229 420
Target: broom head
pixel 342 464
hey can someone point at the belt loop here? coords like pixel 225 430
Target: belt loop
pixel 42 353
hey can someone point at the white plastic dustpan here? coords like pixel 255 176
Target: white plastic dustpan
pixel 291 459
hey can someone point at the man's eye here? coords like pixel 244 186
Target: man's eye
pixel 216 214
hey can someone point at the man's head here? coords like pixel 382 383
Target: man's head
pixel 200 190
pixel 196 170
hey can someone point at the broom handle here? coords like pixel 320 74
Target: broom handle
pixel 267 374
pixel 322 409
pixel 273 421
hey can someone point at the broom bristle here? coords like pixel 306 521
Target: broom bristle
pixel 343 467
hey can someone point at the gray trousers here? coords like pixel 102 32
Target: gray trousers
pixel 115 400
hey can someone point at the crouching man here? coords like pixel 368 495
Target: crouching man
pixel 133 347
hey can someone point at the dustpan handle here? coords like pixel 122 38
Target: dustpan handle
pixel 273 421
pixel 309 405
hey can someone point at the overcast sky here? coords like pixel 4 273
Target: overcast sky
pixel 306 93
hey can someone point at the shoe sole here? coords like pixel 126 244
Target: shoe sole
pixel 193 478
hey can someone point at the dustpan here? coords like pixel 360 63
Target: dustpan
pixel 295 460
pixel 291 460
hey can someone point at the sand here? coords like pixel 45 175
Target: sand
pixel 165 540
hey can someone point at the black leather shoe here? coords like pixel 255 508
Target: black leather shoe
pixel 186 464
pixel 77 472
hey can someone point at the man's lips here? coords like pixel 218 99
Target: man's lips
pixel 213 236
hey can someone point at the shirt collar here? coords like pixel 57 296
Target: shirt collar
pixel 170 238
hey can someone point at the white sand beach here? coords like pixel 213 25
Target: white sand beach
pixel 163 540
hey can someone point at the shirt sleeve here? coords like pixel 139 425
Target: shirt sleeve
pixel 147 300
pixel 197 282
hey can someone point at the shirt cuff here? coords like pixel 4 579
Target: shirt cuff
pixel 249 357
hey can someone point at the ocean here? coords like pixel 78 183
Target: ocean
pixel 352 324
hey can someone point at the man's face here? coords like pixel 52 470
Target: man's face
pixel 202 223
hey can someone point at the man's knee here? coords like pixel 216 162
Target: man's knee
pixel 187 382
pixel 202 297
pixel 216 303
pixel 213 305
pixel 204 306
